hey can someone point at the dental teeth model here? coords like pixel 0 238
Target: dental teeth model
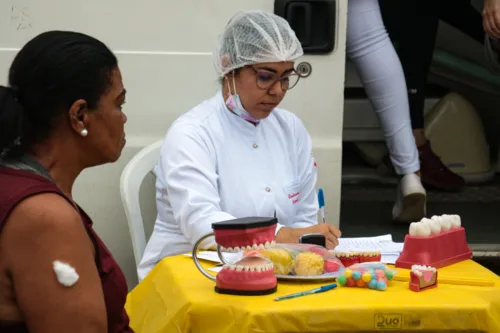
pixel 351 258
pixel 435 225
pixel 422 278
pixel 456 221
pixel 266 245
pixel 438 242
pixel 240 267
pixel 251 275
pixel 347 258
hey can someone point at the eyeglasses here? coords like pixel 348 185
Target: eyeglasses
pixel 266 80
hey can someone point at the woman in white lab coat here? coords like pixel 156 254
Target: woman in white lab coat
pixel 237 154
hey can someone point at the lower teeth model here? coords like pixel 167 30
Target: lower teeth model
pixel 435 225
pixel 422 277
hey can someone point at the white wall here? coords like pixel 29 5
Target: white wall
pixel 164 49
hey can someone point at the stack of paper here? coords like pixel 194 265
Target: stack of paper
pixel 390 250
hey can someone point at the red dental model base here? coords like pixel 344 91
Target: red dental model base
pixel 244 232
pixel 443 249
pixel 250 276
pixel 370 257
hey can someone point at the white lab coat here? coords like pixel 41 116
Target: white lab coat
pixel 215 166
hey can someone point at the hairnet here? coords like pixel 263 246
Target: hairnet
pixel 255 37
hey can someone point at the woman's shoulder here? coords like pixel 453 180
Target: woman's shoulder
pixel 49 209
pixel 198 124
pixel 198 115
pixel 41 231
pixel 196 119
pixel 18 187
pixel 41 215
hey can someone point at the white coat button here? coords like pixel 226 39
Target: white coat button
pixel 255 145
pixel 268 189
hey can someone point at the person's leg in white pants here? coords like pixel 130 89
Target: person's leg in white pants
pixel 377 64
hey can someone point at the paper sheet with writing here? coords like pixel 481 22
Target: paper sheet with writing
pixel 384 244
pixel 390 250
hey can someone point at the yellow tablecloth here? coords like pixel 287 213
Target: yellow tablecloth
pixel 176 297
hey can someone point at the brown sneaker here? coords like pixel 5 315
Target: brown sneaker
pixel 434 173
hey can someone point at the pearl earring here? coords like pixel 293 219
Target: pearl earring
pixel 84 132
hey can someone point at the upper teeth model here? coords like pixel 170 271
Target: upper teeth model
pixel 444 220
pixel 261 246
pixel 434 225
pixel 422 229
pixel 455 220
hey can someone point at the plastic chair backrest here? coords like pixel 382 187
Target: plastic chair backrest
pixel 131 180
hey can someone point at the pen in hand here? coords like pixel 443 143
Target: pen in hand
pixel 321 201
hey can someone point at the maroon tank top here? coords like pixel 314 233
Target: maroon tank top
pixel 17 185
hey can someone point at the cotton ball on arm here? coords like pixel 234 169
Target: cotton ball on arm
pixel 66 275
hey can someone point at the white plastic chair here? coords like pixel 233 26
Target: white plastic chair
pixel 130 186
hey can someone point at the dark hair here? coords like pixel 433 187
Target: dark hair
pixel 50 73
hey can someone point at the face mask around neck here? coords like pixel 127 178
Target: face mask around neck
pixel 233 102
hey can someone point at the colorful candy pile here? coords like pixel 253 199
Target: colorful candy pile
pixel 371 275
